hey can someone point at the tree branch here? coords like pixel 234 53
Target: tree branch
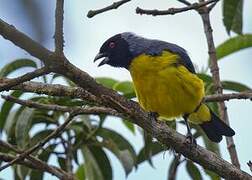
pixel 216 80
pixel 39 145
pixel 58 36
pixel 6 84
pixel 115 5
pixel 108 97
pixel 53 107
pixel 172 11
pixel 227 97
pixel 250 165
pixel 32 161
pixel 78 92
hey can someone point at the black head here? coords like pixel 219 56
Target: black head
pixel 115 52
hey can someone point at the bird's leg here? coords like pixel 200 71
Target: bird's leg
pixel 189 136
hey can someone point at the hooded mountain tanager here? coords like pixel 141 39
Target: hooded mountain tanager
pixel 164 80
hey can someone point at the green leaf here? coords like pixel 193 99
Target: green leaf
pixel 107 82
pixel 130 126
pixel 212 175
pixel 6 108
pixel 232 15
pixel 126 88
pixel 62 163
pixel 97 165
pixel 22 128
pixel 174 165
pixel 120 147
pixel 39 136
pixel 234 86
pixel 22 171
pixel 17 64
pixel 233 45
pixel 155 148
pixel 80 173
pixel 193 170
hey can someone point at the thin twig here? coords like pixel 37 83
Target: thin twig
pixel 32 161
pixel 250 165
pixel 69 153
pixel 7 84
pixel 59 36
pixel 54 134
pixel 204 12
pixel 227 97
pixel 185 2
pixel 172 11
pixel 115 5
pixel 87 110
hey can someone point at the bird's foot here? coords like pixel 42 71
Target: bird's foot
pixel 153 116
pixel 191 140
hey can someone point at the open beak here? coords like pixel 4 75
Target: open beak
pixel 99 56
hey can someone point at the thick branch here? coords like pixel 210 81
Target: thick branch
pixel 58 36
pixel 217 83
pixel 115 5
pixel 6 84
pixel 172 11
pixel 108 97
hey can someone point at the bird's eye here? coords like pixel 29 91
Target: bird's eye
pixel 112 44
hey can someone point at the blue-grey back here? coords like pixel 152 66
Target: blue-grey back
pixel 139 45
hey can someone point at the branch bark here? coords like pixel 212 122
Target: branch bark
pixel 6 84
pixel 204 12
pixel 32 161
pixel 115 5
pixel 40 144
pixel 58 36
pixel 87 110
pixel 172 11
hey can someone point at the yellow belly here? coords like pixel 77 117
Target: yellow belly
pixel 165 87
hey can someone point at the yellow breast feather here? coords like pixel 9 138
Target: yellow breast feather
pixel 164 86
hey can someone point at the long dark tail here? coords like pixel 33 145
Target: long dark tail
pixel 216 128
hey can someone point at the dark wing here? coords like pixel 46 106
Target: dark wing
pixel 156 48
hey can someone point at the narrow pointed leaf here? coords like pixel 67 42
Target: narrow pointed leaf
pixel 6 108
pixel 80 173
pixel 16 64
pixel 193 170
pixel 23 125
pixel 120 147
pixel 232 15
pixel 233 45
pixel 107 82
pixel 235 86
pixel 97 165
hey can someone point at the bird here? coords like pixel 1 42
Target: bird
pixel 165 81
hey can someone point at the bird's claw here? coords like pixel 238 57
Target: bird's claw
pixel 191 140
